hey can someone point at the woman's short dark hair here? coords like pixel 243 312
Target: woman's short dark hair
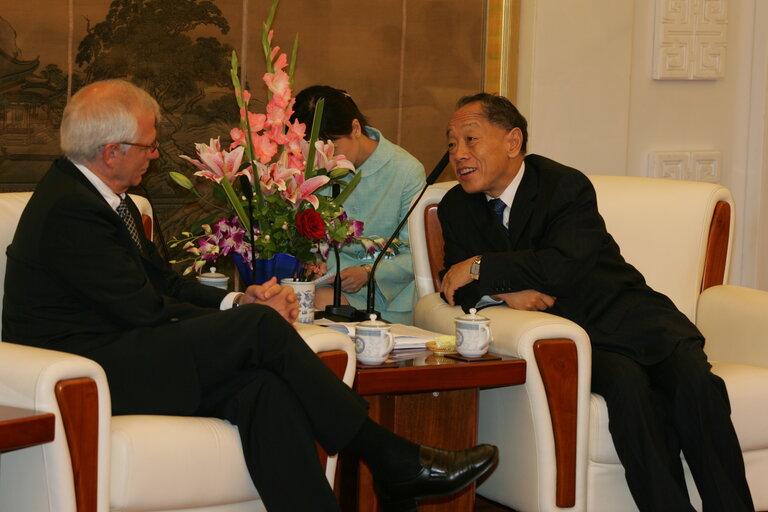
pixel 338 113
pixel 500 111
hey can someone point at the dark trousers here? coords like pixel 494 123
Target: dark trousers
pixel 254 370
pixel 658 410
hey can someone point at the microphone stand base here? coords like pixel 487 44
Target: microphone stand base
pixel 340 313
pixel 362 315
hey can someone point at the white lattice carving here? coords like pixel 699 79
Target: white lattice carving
pixel 685 165
pixel 690 39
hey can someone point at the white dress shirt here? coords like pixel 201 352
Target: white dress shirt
pixel 508 196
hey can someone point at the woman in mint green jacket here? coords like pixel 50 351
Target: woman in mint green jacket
pixel 391 177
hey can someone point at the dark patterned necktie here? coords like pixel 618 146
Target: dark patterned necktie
pixel 122 211
pixel 497 206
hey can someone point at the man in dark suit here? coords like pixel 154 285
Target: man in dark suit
pixel 83 279
pixel 525 231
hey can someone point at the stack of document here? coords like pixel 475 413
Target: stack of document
pixel 407 337
pixel 410 337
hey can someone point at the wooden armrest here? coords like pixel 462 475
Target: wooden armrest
pixel 558 365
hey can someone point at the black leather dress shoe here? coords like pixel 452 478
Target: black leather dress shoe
pixel 443 472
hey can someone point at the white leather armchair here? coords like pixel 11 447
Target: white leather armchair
pixel 99 463
pixel 556 451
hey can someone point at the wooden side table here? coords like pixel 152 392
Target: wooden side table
pixel 20 428
pixel 429 400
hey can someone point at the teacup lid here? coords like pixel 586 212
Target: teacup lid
pixel 472 317
pixel 373 322
pixel 212 274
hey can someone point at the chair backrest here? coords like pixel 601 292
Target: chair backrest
pixel 677 233
pixel 12 205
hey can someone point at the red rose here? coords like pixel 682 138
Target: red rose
pixel 310 224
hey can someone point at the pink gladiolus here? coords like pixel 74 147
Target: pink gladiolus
pixel 295 162
pixel 279 82
pixel 238 138
pixel 295 135
pixel 263 148
pixel 216 164
pixel 255 121
pixel 276 116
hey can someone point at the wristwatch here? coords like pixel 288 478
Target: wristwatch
pixel 474 270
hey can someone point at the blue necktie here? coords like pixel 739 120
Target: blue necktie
pixel 497 206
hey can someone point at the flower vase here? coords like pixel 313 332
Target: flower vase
pixel 281 266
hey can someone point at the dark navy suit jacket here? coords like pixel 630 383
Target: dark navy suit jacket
pixel 75 281
pixel 558 244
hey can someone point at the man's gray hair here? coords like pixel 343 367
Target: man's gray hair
pixel 100 113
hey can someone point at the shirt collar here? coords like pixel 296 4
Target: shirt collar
pixel 508 196
pixel 109 196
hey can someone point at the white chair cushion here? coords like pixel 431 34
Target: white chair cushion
pixel 601 448
pixel 634 209
pixel 169 462
pixel 748 394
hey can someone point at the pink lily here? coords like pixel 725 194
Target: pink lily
pixel 300 190
pixel 325 159
pixel 281 176
pixel 216 164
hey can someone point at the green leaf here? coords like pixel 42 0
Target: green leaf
pixel 346 191
pixel 316 120
pixel 236 81
pixel 294 54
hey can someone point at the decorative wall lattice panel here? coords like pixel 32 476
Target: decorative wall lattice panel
pixel 690 39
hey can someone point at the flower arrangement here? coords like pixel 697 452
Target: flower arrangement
pixel 270 180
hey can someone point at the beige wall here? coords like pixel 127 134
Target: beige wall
pixel 585 84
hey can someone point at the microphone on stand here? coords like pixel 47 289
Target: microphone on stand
pixel 370 307
pixel 245 185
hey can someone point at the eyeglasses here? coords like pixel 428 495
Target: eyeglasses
pixel 150 148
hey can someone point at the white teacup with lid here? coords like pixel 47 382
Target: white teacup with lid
pixel 213 278
pixel 473 334
pixel 373 341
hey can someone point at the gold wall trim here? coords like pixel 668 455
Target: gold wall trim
pixel 502 37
